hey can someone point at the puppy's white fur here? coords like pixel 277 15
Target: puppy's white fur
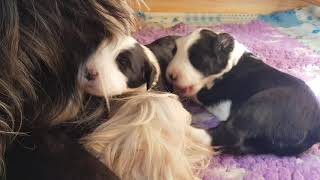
pixel 111 81
pixel 187 74
pixel 180 64
pixel 150 137
pixel 221 110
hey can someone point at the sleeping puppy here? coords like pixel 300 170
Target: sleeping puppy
pixel 128 66
pixel 121 67
pixel 263 110
pixel 164 49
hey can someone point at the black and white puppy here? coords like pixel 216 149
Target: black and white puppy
pixel 263 110
pixel 120 67
pixel 164 50
pixel 127 66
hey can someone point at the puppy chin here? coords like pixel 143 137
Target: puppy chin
pixel 192 90
pixel 187 91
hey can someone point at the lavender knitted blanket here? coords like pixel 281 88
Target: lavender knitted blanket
pixel 283 52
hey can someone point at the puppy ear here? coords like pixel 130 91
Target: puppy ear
pixel 164 49
pixel 225 42
pixel 150 75
pixel 208 34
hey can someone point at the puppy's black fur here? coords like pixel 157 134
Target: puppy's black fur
pixel 164 49
pixel 134 64
pixel 210 53
pixel 271 112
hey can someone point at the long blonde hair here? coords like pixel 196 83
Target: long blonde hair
pixel 149 138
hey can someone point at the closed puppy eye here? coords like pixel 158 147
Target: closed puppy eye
pixel 124 62
pixel 174 50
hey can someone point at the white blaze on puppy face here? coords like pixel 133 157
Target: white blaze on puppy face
pixel 111 81
pixel 196 62
pixel 180 65
pixel 121 67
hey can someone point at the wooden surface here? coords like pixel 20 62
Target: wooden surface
pixel 314 2
pixel 225 6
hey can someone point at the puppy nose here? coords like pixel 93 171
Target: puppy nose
pixel 173 76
